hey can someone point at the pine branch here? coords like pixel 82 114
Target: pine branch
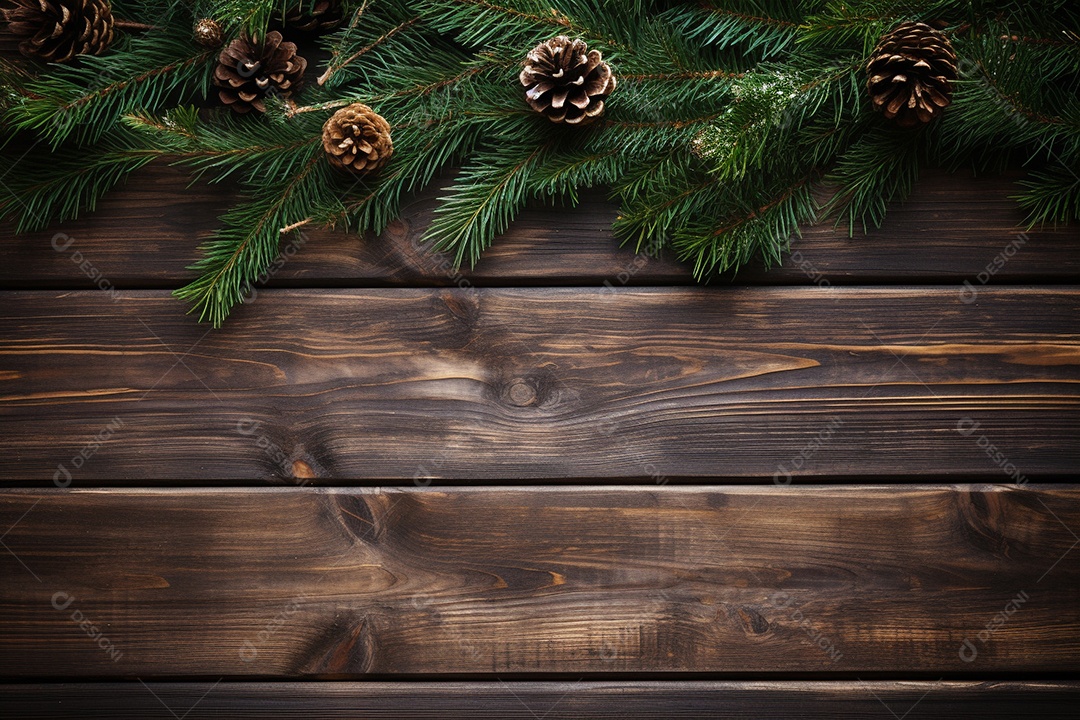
pixel 420 152
pixel 250 16
pixel 518 25
pixel 726 113
pixel 849 25
pixel 655 198
pixel 761 231
pixel 337 63
pixel 248 241
pixel 1052 195
pixel 48 188
pixel 762 29
pixel 882 166
pixel 482 23
pixel 84 102
pixel 228 147
pixel 486 196
pixel 1004 104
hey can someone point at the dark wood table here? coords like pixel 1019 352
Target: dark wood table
pixel 570 483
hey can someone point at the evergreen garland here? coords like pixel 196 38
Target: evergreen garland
pixel 731 121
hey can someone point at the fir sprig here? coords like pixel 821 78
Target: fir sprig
pixel 1052 196
pixel 728 118
pixel 249 239
pixel 486 196
pixel 82 102
pixel 48 187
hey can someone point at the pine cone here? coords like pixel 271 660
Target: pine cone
pixel 566 81
pixel 58 30
pixel 250 69
pixel 357 138
pixel 911 73
pixel 314 16
pixel 208 33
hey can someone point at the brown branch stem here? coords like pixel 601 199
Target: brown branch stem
pixel 295 225
pixel 332 68
pixel 131 25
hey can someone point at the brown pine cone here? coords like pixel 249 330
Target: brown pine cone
pixel 314 16
pixel 910 74
pixel 208 33
pixel 357 138
pixel 566 81
pixel 250 69
pixel 58 30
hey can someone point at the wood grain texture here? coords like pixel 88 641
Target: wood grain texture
pixel 303 582
pixel 146 234
pixel 649 384
pixel 762 700
pixel 496 585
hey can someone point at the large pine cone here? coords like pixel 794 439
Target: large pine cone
pixel 314 17
pixel 250 69
pixel 357 138
pixel 911 73
pixel 566 81
pixel 58 30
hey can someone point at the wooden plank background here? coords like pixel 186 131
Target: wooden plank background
pixel 631 547
pixel 569 700
pixel 302 582
pixel 145 235
pixel 506 383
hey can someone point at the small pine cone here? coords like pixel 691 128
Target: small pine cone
pixel 566 81
pixel 250 69
pixel 357 138
pixel 314 17
pixel 208 33
pixel 910 74
pixel 58 30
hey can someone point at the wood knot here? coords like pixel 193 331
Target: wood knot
pixel 537 388
pixel 397 229
pixel 753 621
pixel 302 471
pixel 521 393
pixel 345 648
pixel 357 516
pixel 459 314
pixel 984 520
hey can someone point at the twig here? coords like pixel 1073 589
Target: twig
pixel 295 225
pixel 331 69
pixel 131 25
pixel 292 109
